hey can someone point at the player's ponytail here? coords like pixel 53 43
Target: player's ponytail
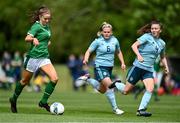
pixel 147 28
pixel 35 14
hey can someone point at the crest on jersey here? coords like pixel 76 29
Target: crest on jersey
pixel 104 73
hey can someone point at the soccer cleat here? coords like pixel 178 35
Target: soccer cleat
pixel 118 111
pixel 142 112
pixel 13 105
pixel 82 80
pixel 113 84
pixel 46 106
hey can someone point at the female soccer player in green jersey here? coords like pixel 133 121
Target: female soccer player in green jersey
pixel 105 46
pixel 37 57
pixel 147 48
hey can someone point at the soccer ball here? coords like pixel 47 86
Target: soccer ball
pixel 57 108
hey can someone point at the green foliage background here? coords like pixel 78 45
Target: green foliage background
pixel 76 22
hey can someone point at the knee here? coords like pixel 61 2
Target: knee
pixel 125 92
pixel 55 79
pixel 150 90
pixel 102 91
pixel 24 81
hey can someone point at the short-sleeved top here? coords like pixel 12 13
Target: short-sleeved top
pixel 43 34
pixel 150 47
pixel 105 50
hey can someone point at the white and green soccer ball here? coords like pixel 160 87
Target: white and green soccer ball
pixel 57 108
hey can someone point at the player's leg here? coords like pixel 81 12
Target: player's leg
pixel 138 90
pixel 156 81
pixel 106 82
pixel 86 79
pixel 51 72
pixel 26 76
pixel 112 100
pixel 132 78
pixel 95 83
pixel 149 85
pixel 29 68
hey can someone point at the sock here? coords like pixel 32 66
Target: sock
pixel 155 92
pixel 120 87
pixel 111 98
pixel 94 83
pixel 145 100
pixel 48 91
pixel 17 91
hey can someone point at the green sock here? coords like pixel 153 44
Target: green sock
pixel 155 92
pixel 17 91
pixel 48 91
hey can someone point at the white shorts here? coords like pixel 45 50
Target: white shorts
pixel 32 65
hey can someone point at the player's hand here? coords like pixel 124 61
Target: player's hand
pixel 123 66
pixel 85 61
pixel 49 43
pixel 140 58
pixel 35 41
pixel 166 70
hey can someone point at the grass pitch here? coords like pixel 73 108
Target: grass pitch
pixel 86 106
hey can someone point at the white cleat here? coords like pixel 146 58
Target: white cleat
pixel 118 111
pixel 82 80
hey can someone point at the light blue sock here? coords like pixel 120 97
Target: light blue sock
pixel 145 100
pixel 120 87
pixel 94 83
pixel 111 98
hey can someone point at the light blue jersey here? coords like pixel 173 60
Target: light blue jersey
pixel 105 50
pixel 150 47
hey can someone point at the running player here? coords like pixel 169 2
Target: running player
pixel 147 48
pixel 37 57
pixel 105 46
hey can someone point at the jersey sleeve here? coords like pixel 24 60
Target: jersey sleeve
pixel 93 46
pixel 143 38
pixel 164 48
pixel 33 30
pixel 117 45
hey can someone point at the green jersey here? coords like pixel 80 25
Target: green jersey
pixel 43 34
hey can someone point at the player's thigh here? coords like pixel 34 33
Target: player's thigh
pixel 106 82
pixel 148 80
pixel 128 87
pixel 50 71
pixel 102 88
pixel 26 77
pixel 149 84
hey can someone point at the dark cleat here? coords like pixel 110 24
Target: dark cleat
pixel 143 112
pixel 13 105
pixel 46 106
pixel 113 84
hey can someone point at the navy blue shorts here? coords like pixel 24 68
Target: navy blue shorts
pixel 102 72
pixel 135 74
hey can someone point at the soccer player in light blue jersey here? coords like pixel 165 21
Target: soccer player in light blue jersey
pixel 37 57
pixel 105 46
pixel 147 48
